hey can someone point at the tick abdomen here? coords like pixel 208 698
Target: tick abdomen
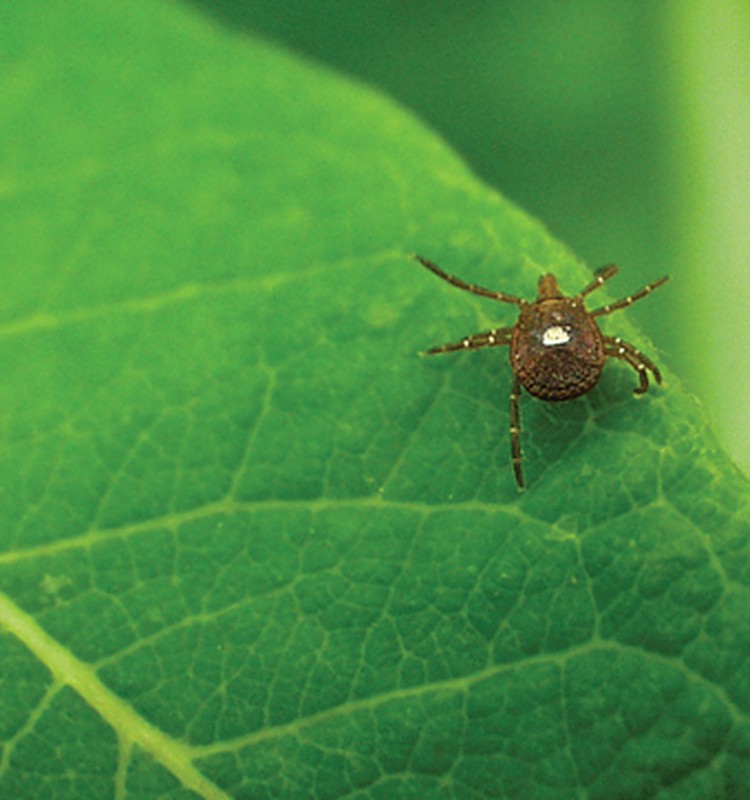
pixel 562 375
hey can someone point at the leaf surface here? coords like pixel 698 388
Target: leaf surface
pixel 252 546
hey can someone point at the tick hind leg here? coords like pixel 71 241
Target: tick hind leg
pixel 494 338
pixel 617 348
pixel 515 432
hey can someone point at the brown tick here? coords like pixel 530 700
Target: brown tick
pixel 557 351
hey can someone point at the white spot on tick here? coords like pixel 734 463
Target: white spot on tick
pixel 555 335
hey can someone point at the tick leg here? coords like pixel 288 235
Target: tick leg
pixel 493 338
pixel 515 432
pixel 602 274
pixel 617 348
pixel 630 299
pixel 469 287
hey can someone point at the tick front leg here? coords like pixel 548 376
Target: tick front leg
pixel 468 287
pixel 600 276
pixel 515 432
pixel 630 299
pixel 493 338
pixel 617 348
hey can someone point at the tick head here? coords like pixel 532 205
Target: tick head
pixel 548 289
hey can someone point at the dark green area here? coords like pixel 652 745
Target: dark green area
pixel 622 126
pixel 568 108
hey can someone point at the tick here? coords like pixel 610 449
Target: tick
pixel 557 351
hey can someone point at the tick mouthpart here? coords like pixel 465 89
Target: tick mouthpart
pixel 548 288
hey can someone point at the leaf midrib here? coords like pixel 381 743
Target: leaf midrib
pixel 129 726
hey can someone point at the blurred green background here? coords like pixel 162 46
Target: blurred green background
pixel 623 126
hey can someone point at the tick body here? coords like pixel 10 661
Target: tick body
pixel 557 351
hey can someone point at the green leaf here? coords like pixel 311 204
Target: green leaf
pixel 252 545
